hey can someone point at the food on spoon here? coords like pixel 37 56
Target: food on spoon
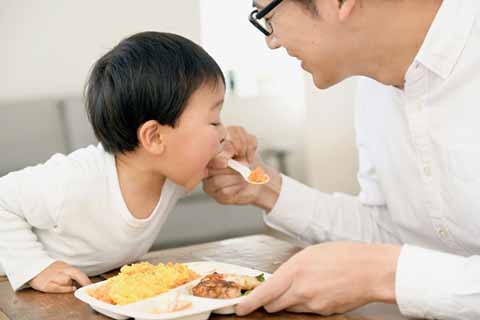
pixel 258 176
pixel 141 281
pixel 226 286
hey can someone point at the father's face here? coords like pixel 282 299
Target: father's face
pixel 318 39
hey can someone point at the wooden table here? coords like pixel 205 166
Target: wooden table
pixel 261 252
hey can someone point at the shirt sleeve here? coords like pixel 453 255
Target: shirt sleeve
pixel 436 285
pixel 312 216
pixel 29 199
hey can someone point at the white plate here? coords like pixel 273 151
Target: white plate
pixel 201 307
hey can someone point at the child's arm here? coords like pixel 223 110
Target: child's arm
pixel 30 199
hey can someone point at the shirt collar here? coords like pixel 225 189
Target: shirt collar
pixel 448 36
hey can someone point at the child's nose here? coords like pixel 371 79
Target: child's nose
pixel 222 133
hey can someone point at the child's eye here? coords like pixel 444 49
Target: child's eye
pixel 215 124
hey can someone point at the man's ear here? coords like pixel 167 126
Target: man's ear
pixel 151 136
pixel 345 9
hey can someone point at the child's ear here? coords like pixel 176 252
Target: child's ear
pixel 151 135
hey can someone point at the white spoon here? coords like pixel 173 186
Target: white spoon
pixel 244 171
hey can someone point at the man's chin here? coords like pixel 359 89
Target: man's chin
pixel 322 83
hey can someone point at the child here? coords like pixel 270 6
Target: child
pixel 154 102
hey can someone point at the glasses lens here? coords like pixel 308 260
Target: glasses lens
pixel 265 24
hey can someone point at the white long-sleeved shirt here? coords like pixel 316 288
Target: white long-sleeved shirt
pixel 419 157
pixel 71 209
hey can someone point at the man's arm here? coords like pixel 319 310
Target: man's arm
pixel 435 285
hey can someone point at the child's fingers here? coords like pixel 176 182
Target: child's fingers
pixel 77 275
pixel 53 287
pixel 62 279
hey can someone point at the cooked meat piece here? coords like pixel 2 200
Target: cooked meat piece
pixel 213 276
pixel 244 282
pixel 217 289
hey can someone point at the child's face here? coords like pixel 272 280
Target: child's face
pixel 197 138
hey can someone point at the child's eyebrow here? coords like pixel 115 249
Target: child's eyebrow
pixel 218 104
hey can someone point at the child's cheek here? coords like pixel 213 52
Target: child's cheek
pixel 207 152
pixel 199 150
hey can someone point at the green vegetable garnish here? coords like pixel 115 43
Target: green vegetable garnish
pixel 260 277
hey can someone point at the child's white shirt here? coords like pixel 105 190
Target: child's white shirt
pixel 71 209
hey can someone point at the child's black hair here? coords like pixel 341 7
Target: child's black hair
pixel 148 76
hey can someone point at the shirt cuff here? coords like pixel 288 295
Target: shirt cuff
pixel 425 282
pixel 19 276
pixel 293 210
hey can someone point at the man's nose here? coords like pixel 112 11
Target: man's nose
pixel 272 42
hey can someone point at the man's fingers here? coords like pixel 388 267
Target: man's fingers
pixel 212 185
pixel 219 162
pixel 221 159
pixel 251 148
pixel 78 276
pixel 285 301
pixel 267 292
pixel 237 136
pixel 299 309
pixel 228 150
pixel 221 182
pixel 220 179
pixel 230 192
pixel 212 173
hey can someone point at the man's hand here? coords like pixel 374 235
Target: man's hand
pixel 327 279
pixel 239 144
pixel 59 277
pixel 226 186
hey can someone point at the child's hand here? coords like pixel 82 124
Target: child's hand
pixel 59 277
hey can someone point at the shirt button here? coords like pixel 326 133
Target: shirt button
pixel 443 232
pixel 427 170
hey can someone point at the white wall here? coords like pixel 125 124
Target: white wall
pixel 330 140
pixel 49 46
pixel 269 89
pixel 276 122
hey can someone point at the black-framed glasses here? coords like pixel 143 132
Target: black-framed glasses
pixel 257 18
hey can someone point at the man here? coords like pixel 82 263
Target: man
pixel 414 229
